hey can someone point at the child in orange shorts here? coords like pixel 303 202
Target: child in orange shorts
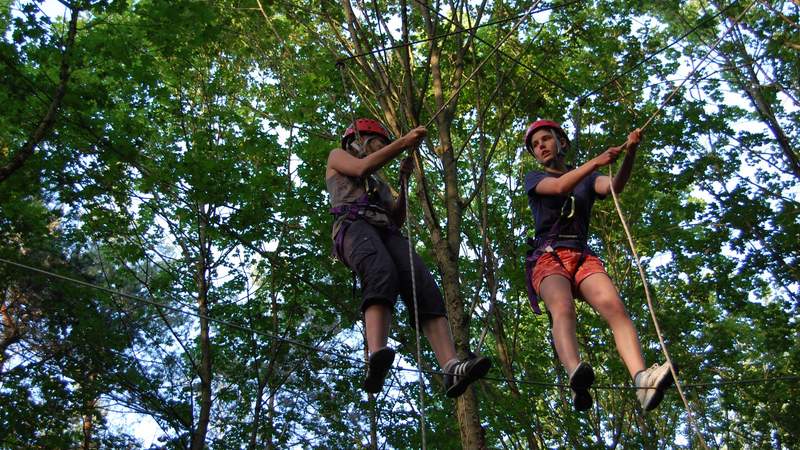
pixel 561 266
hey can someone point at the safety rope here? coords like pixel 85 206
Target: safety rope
pixel 658 52
pixel 664 349
pixel 416 315
pixel 485 60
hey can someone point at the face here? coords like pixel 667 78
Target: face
pixel 373 143
pixel 544 146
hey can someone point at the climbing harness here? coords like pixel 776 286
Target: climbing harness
pixel 545 244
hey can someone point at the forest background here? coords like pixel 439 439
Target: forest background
pixel 173 154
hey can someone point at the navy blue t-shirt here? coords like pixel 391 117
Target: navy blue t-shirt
pixel 547 208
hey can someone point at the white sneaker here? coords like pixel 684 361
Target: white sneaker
pixel 651 384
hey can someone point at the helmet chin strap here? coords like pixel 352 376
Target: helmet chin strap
pixel 559 148
pixel 357 150
pixel 556 163
pixel 360 150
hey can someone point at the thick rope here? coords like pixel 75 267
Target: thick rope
pixel 664 349
pixel 652 311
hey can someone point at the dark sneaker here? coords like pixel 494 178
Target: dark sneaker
pixel 651 384
pixel 463 373
pixel 379 364
pixel 579 381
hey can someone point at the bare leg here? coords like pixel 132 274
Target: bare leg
pixel 437 330
pixel 377 320
pixel 556 292
pixel 599 291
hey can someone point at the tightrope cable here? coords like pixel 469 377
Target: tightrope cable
pixel 356 362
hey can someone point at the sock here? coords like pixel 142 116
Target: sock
pixel 449 365
pixel 376 351
pixel 636 377
pixel 572 373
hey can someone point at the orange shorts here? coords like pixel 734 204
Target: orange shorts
pixel 547 265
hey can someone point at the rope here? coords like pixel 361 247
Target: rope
pixel 664 349
pixel 657 52
pixel 652 310
pixel 485 60
pixel 416 318
pixel 713 47
pixel 178 310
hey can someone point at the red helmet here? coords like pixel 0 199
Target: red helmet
pixel 543 124
pixel 370 126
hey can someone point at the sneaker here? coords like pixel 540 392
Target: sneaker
pixel 461 374
pixel 379 364
pixel 651 384
pixel 580 380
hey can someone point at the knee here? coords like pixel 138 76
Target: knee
pixel 375 268
pixel 562 310
pixel 611 308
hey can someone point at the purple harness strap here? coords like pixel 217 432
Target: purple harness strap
pixel 354 211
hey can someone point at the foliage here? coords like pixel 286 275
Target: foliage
pixel 183 173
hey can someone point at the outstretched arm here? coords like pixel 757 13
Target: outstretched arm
pixel 567 182
pixel 602 183
pixel 348 165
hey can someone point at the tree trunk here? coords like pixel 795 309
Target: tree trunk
pixel 11 330
pixel 88 422
pixel 446 241
pixel 199 435
pixel 46 124
pixel 262 383
pixel 747 80
pixel 447 250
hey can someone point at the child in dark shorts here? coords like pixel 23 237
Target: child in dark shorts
pixel 561 266
pixel 367 239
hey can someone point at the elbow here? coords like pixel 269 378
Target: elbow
pixel 562 189
pixel 363 170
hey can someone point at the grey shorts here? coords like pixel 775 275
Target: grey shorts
pixel 379 257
